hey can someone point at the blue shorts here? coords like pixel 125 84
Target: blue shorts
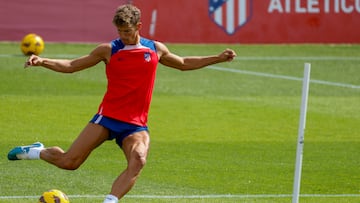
pixel 117 129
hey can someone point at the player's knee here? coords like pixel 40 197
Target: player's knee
pixel 70 164
pixel 137 163
pixel 140 160
pixel 61 159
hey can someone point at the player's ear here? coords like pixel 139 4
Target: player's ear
pixel 139 26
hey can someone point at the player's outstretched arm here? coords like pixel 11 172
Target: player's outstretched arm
pixel 191 62
pixel 100 53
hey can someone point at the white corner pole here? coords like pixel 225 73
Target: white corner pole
pixel 300 142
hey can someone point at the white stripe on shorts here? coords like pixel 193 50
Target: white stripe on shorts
pixel 97 121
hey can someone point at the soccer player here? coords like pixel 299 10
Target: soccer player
pixel 131 62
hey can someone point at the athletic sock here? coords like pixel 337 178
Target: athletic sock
pixel 111 199
pixel 34 153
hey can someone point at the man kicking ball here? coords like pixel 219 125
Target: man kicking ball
pixel 131 63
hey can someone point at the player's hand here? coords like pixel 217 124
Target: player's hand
pixel 227 55
pixel 33 60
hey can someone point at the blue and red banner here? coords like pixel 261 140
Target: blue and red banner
pixel 188 21
pixel 253 21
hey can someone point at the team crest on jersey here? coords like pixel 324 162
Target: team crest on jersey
pixel 147 57
pixel 230 15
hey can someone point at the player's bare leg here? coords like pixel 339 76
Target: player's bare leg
pixel 135 147
pixel 91 137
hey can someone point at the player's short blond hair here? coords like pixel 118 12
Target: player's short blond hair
pixel 127 15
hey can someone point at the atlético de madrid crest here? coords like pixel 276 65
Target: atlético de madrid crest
pixel 230 15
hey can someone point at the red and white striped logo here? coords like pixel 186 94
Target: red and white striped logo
pixel 230 15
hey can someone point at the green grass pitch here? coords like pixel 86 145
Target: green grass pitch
pixel 226 133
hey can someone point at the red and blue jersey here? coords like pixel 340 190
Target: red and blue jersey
pixel 131 74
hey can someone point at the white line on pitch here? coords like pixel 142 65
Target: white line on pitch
pixel 214 196
pixel 238 58
pixel 269 75
pixel 45 55
pixel 252 72
pixel 294 58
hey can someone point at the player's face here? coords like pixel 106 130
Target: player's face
pixel 129 34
